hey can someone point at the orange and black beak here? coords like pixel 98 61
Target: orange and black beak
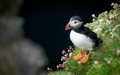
pixel 68 26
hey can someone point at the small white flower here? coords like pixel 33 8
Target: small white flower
pixel 64 63
pixel 70 54
pixel 109 62
pixel 96 62
pixel 100 20
pixel 118 52
pixel 63 58
pixel 93 19
pixel 113 29
pixel 93 15
pixel 97 29
pixel 108 21
pixel 112 36
pixel 112 4
pixel 111 17
pixel 110 32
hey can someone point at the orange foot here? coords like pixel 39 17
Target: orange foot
pixel 84 58
pixel 78 56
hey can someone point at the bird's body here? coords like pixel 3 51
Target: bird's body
pixel 81 41
pixel 82 37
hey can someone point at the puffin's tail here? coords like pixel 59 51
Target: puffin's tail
pixel 100 41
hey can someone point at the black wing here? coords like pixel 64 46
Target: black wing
pixel 86 31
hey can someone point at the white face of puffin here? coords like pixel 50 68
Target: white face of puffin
pixel 75 23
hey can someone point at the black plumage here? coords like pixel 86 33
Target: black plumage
pixel 89 33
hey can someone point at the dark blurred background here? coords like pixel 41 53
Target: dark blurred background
pixel 45 22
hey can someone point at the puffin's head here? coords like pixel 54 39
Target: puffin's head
pixel 75 22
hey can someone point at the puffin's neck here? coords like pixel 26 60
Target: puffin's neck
pixel 79 29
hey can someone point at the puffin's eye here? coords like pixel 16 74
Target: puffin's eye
pixel 75 22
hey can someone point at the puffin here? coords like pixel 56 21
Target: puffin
pixel 82 37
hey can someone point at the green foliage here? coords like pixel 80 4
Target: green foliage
pixel 60 72
pixel 107 26
pixel 110 67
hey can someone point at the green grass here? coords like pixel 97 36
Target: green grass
pixel 60 72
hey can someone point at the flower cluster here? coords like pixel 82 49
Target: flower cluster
pixel 106 22
pixel 66 54
pixel 49 69
pixel 112 19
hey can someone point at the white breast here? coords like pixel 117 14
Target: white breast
pixel 81 41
